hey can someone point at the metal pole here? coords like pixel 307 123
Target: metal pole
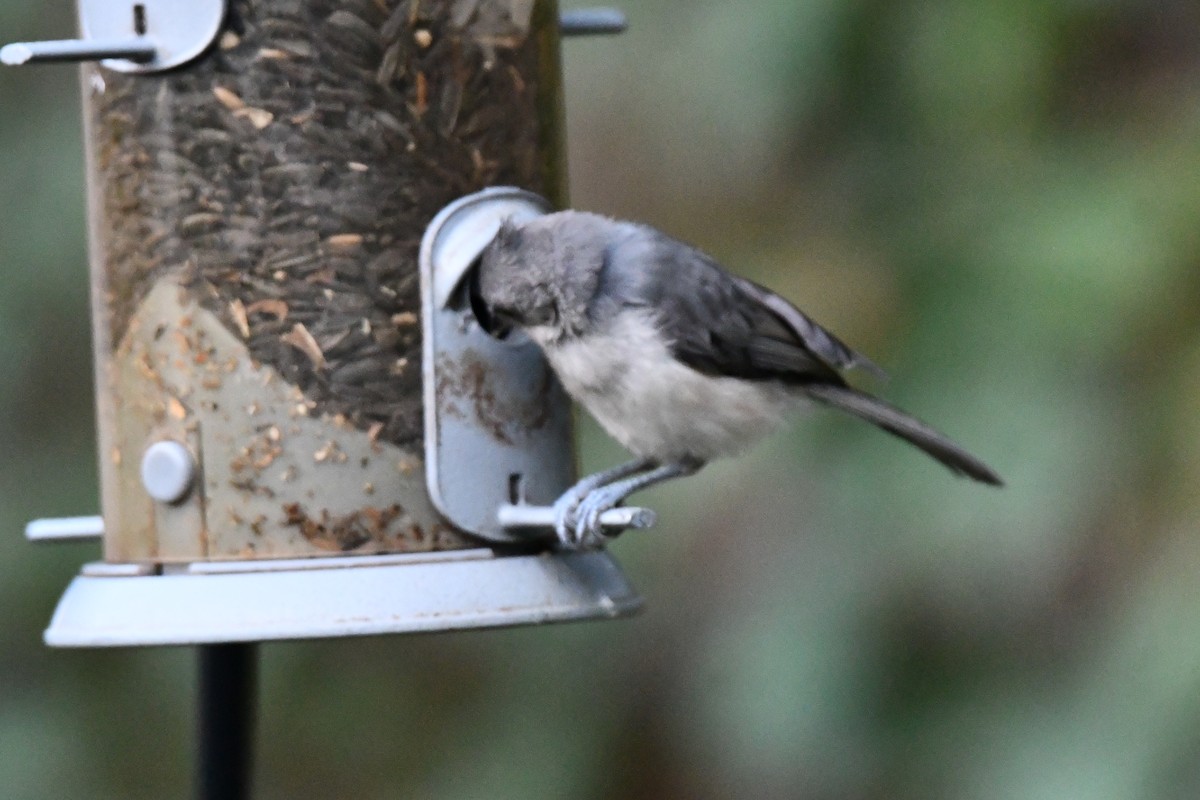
pixel 226 721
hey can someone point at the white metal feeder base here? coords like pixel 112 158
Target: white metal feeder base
pixel 113 605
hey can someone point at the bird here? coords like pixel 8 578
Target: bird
pixel 678 359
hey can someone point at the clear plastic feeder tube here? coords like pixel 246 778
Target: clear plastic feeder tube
pixel 255 217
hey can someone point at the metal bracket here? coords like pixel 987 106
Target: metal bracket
pixel 149 36
pixel 498 444
pixel 497 424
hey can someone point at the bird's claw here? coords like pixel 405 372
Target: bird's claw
pixel 577 518
pixel 577 512
pixel 589 533
pixel 566 516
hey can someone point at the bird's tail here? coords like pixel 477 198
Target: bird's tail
pixel 907 427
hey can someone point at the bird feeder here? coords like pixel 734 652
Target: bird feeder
pixel 302 432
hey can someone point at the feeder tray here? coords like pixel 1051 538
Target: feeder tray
pixel 115 605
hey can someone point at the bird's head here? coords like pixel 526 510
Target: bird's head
pixel 515 283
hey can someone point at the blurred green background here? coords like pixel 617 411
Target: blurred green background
pixel 998 200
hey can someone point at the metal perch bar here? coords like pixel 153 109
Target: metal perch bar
pixel 76 50
pixel 615 520
pixel 593 21
pixel 65 529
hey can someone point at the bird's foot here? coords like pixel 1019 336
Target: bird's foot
pixel 566 507
pixel 587 533
pixel 577 512
pixel 566 513
pixel 577 516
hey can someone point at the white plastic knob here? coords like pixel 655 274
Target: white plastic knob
pixel 168 471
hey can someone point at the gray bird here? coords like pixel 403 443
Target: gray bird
pixel 679 360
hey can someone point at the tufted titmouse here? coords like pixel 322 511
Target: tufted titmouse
pixel 677 359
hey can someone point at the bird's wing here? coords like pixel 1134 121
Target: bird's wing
pixel 721 324
pixel 829 348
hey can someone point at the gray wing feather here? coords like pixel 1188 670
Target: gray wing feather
pixel 907 427
pixel 719 323
pixel 831 349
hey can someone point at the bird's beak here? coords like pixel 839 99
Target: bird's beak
pixel 495 325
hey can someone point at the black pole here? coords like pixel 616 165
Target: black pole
pixel 226 717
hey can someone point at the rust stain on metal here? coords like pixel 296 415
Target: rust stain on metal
pixel 469 379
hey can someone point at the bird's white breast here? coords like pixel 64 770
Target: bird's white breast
pixel 654 405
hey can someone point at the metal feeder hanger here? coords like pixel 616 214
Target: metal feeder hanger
pixel 481 480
